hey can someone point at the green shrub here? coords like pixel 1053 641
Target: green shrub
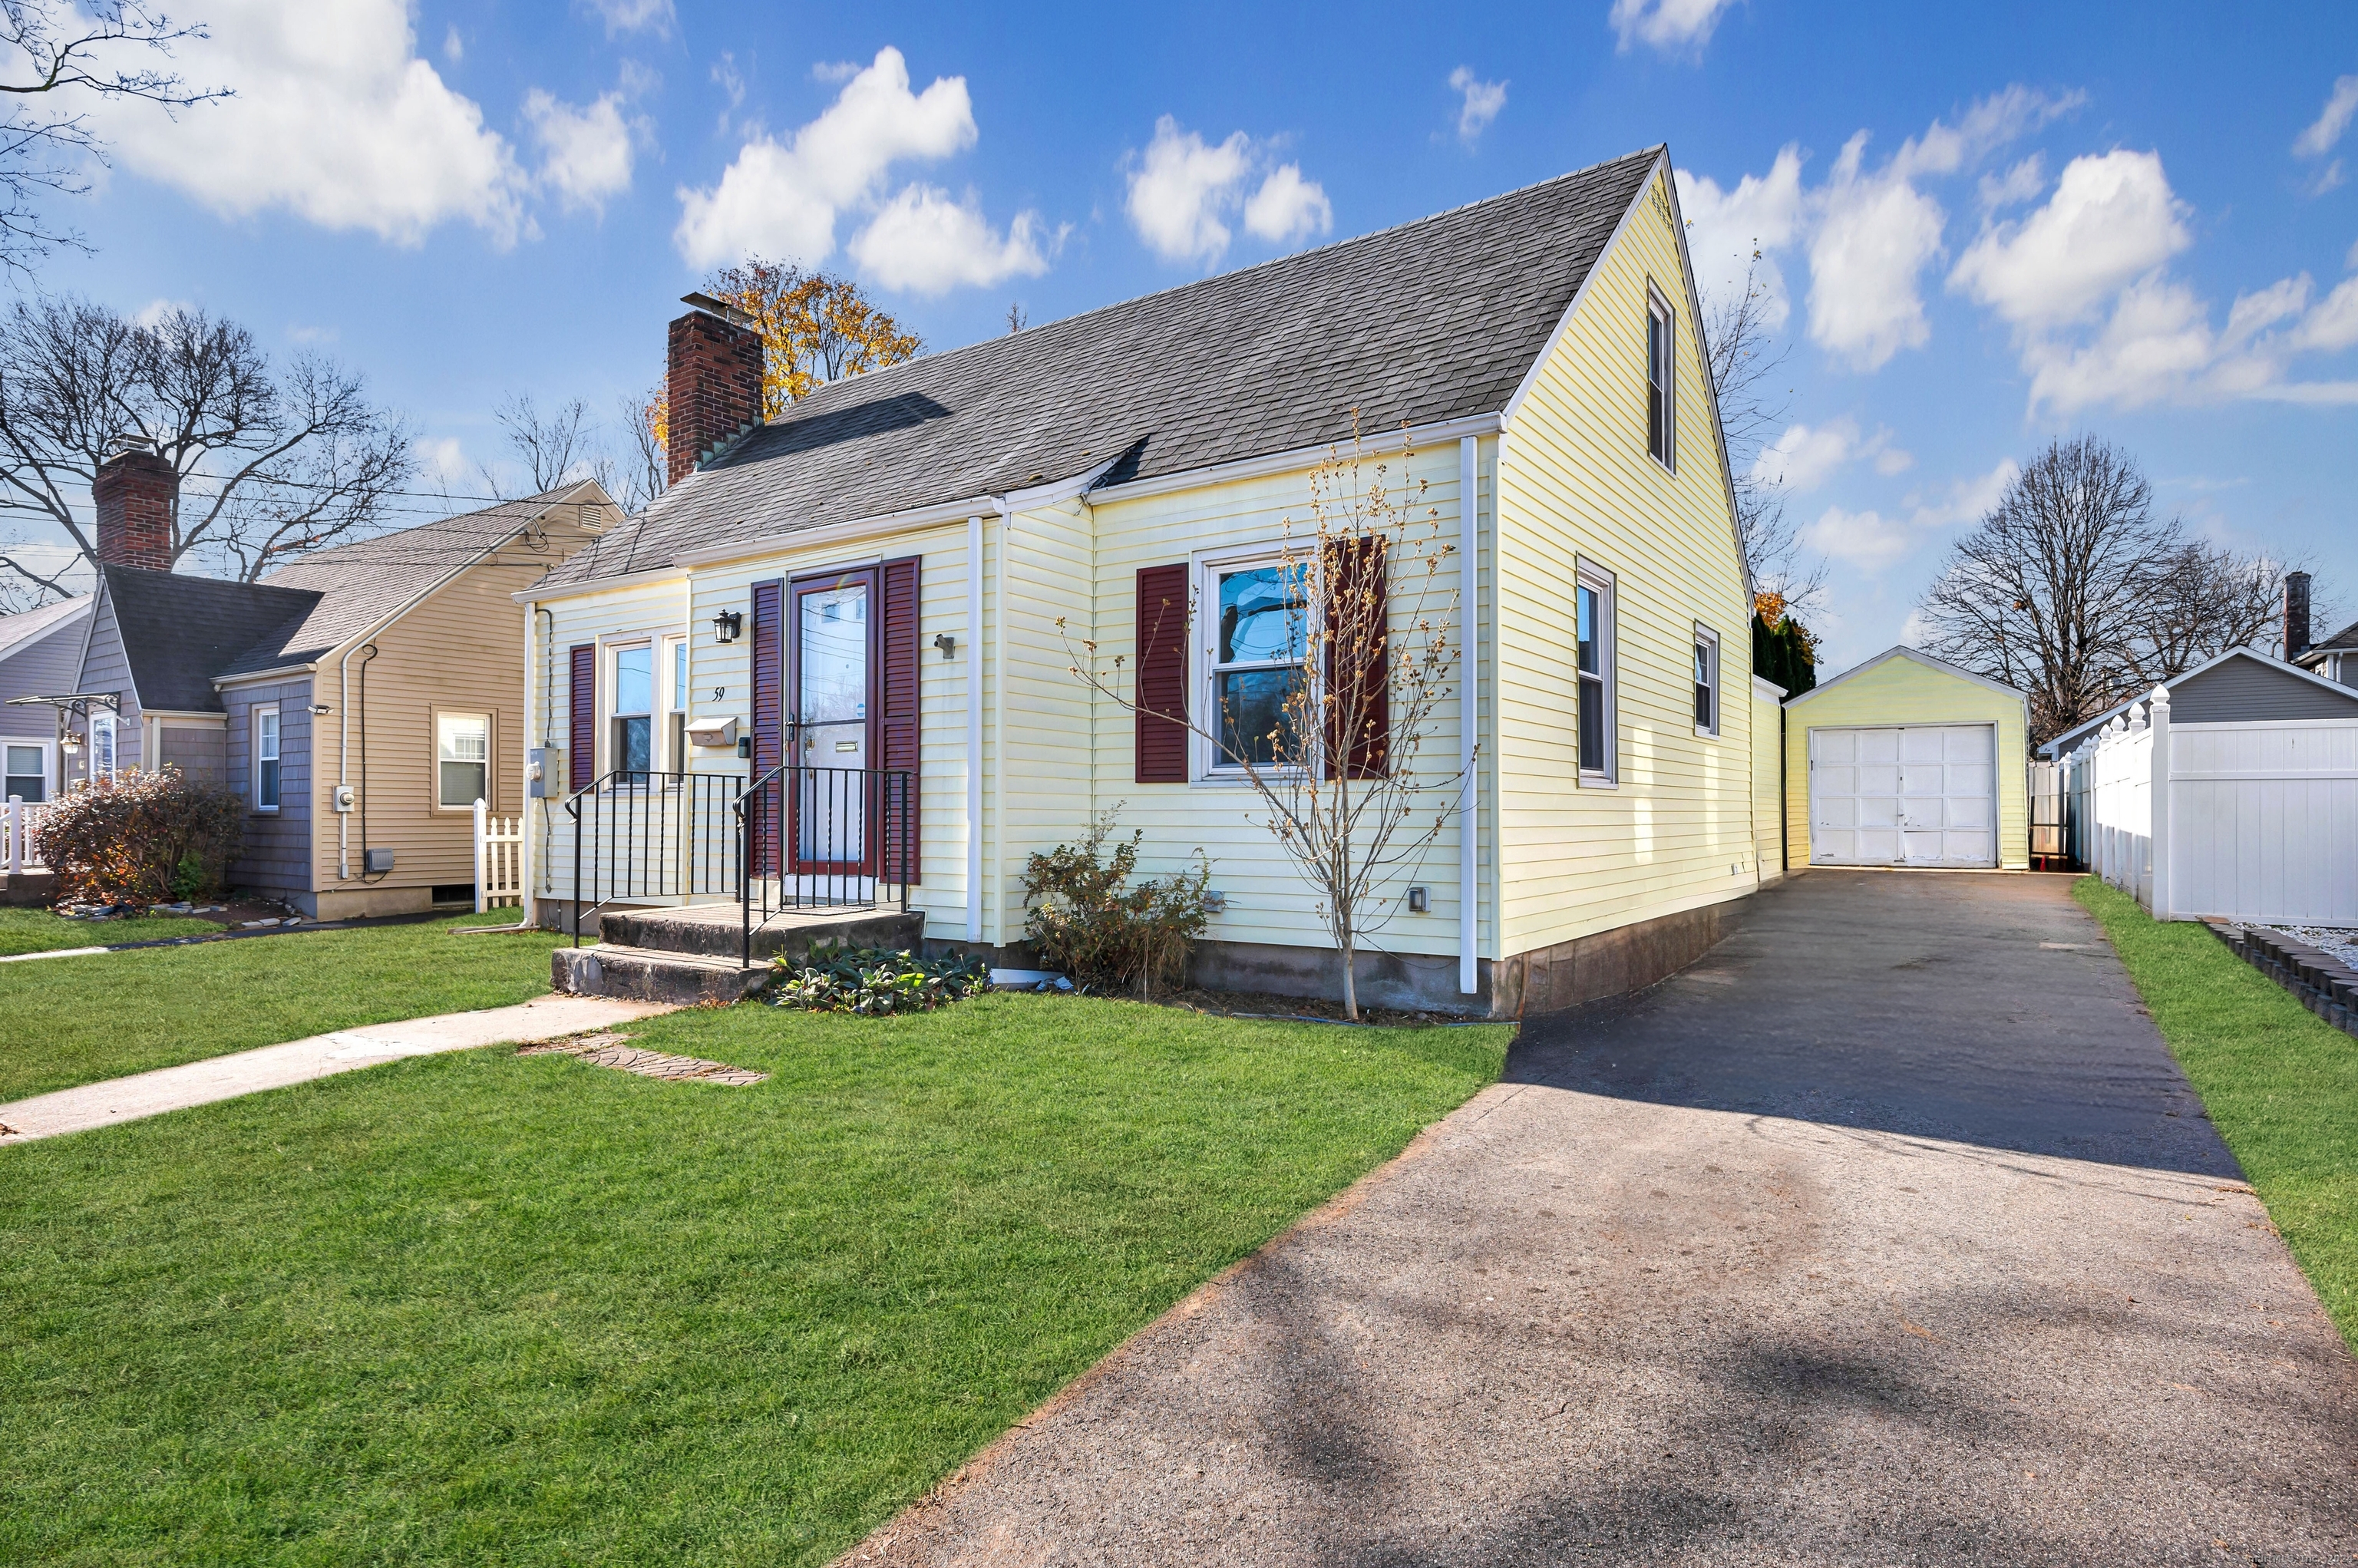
pixel 876 982
pixel 140 838
pixel 1085 917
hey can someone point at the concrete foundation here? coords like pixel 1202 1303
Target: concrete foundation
pixel 365 903
pixel 1610 963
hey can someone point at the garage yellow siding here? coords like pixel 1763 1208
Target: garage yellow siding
pixel 1267 899
pixel 1903 691
pixel 1577 483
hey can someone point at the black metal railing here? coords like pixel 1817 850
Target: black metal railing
pixel 643 835
pixel 832 839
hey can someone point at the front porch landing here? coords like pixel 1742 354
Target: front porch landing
pixel 694 955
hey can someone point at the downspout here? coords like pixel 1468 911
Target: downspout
pixel 343 764
pixel 999 713
pixel 974 729
pixel 1469 474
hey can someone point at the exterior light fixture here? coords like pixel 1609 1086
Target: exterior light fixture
pixel 71 744
pixel 728 626
pixel 948 644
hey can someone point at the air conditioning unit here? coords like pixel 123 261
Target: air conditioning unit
pixel 712 731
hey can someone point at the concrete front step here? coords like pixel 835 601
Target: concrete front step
pixel 716 930
pixel 648 975
pixel 690 955
pixel 27 890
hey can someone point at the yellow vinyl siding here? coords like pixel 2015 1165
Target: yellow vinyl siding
pixel 1267 899
pixel 1578 485
pixel 1901 691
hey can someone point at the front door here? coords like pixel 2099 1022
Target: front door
pixel 833 687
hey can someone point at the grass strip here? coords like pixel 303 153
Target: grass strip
pixel 2281 1084
pixel 484 1307
pixel 38 930
pixel 76 1021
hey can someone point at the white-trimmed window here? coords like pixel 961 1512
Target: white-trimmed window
pixel 676 704
pixel 1593 640
pixel 630 731
pixel 1256 647
pixel 101 745
pixel 462 760
pixel 25 771
pixel 1707 680
pixel 1662 380
pixel 265 756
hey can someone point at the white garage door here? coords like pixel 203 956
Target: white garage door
pixel 1921 795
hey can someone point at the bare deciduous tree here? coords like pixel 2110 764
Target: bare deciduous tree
pixel 552 447
pixel 273 464
pixel 643 471
pixel 1744 361
pixel 2074 591
pixel 1356 620
pixel 57 60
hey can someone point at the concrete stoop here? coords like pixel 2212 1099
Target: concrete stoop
pixel 690 955
pixel 28 890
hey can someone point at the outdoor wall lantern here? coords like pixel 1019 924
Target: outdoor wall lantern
pixel 948 644
pixel 728 626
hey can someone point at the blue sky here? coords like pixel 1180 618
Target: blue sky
pixel 1989 225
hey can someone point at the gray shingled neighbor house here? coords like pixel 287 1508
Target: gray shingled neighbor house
pixel 359 699
pixel 40 656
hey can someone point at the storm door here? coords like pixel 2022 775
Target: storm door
pixel 831 682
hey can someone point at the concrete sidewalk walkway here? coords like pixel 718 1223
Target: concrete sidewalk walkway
pixel 299 1060
pixel 1889 1233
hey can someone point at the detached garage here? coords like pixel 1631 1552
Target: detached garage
pixel 1908 760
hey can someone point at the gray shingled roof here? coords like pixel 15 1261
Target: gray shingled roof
pixel 357 585
pixel 1432 321
pixel 177 631
pixel 2344 639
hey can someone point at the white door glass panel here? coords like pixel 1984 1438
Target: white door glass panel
pixel 831 700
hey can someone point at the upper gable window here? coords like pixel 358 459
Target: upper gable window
pixel 1661 382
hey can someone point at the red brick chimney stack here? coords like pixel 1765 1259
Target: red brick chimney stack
pixel 715 381
pixel 135 492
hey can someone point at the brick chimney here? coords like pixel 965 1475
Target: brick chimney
pixel 715 380
pixel 2296 615
pixel 135 492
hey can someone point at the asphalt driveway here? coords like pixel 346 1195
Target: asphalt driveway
pixel 1886 1234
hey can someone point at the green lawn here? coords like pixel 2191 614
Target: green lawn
pixel 2280 1083
pixel 483 1308
pixel 38 930
pixel 74 1021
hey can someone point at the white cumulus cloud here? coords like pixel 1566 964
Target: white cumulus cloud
pixel 1673 26
pixel 635 15
pixel 1876 234
pixel 1480 103
pixel 1725 227
pixel 2112 218
pixel 1805 456
pixel 1288 209
pixel 1867 540
pixel 2325 132
pixel 1183 190
pixel 336 120
pixel 925 242
pixel 781 198
pixel 585 151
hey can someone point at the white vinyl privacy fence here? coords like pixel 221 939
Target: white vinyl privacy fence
pixel 2253 821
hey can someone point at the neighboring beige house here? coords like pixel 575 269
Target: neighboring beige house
pixel 360 699
pixel 918 533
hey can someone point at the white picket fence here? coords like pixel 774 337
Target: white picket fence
pixel 499 858
pixel 2254 821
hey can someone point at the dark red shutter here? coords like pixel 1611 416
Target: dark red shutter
pixel 898 723
pixel 583 739
pixel 1162 674
pixel 1358 627
pixel 769 721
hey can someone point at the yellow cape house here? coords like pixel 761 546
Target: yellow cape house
pixel 876 581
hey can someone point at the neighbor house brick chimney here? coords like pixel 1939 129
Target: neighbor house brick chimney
pixel 2296 615
pixel 134 492
pixel 715 382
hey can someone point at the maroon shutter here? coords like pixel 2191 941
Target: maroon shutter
pixel 1162 674
pixel 1358 627
pixel 583 739
pixel 897 723
pixel 769 721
